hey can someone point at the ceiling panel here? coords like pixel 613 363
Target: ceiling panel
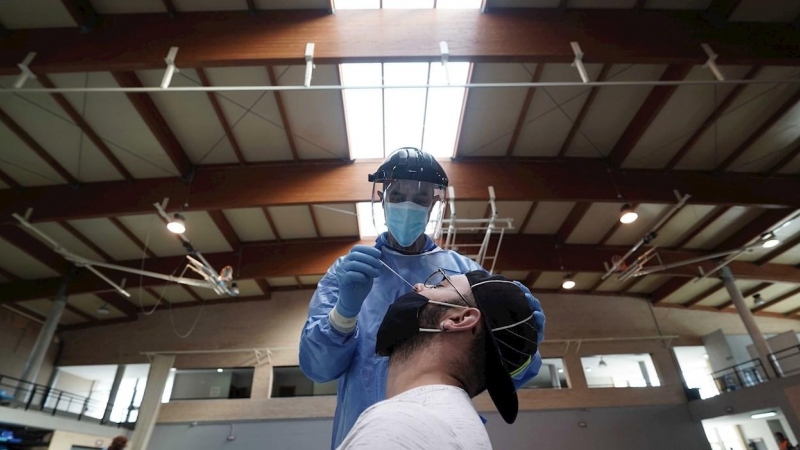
pixel 315 117
pixel 756 103
pixel 70 318
pixel 173 293
pixel 784 234
pixel 128 7
pixel 650 284
pixel 790 257
pixel 685 111
pixel 250 224
pixel 90 303
pixel 204 234
pixel 22 164
pixel 249 288
pixel 612 284
pixel 518 275
pixel 47 123
pixel 150 229
pixel 599 219
pixel 310 280
pixel 21 264
pixel 472 209
pixel 105 234
pixel 775 291
pixel 335 223
pixel 793 167
pixel 585 280
pixel 553 111
pixel 191 118
pixel 785 306
pixel 549 280
pixel 67 240
pixel 41 306
pixel 721 296
pixel 515 211
pixel 253 115
pixel 140 298
pixel 113 117
pixel 207 294
pixel 35 14
pixel 630 233
pixel 771 148
pixel 492 109
pixel 682 223
pixel 612 110
pixel 548 217
pixel 725 226
pixel 292 222
pixel 765 11
pixel 691 289
pixel 282 281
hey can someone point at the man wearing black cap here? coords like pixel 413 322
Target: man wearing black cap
pixel 448 341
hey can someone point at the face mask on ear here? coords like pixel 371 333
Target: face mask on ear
pixel 406 221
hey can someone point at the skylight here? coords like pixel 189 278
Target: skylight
pixel 380 121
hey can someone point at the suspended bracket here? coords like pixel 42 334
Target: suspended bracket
pixel 578 61
pixel 26 71
pixel 445 52
pixel 171 69
pixel 309 64
pixel 712 62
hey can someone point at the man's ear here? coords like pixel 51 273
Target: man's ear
pixel 461 320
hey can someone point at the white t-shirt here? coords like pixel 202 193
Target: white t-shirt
pixel 428 417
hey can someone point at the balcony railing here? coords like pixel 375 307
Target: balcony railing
pixel 786 362
pixel 25 395
pixel 746 374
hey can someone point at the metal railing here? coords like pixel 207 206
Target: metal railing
pixel 26 395
pixel 746 374
pixel 786 362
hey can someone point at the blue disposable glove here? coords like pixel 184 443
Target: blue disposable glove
pixel 538 313
pixel 355 275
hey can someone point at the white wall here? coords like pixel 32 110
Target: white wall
pixel 651 428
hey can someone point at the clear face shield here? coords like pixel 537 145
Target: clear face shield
pixel 408 208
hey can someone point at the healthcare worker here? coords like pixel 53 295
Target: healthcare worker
pixel 351 300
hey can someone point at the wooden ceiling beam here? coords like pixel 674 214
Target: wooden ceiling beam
pixel 83 13
pixel 748 293
pixel 273 80
pixel 533 275
pixel 776 300
pixel 271 224
pixel 129 234
pixel 25 311
pixel 170 7
pixel 784 247
pixel 652 106
pixel 117 301
pixel 514 180
pixel 81 123
pixel 722 9
pixel 528 216
pixel 712 118
pixel 251 6
pixel 755 228
pixel 190 291
pixel 313 257
pixel 86 241
pixel 614 228
pixel 792 152
pixel 523 113
pixel 212 97
pixel 19 238
pixel 791 312
pixel 225 227
pixel 575 216
pixel 587 104
pixel 703 295
pixel 36 148
pixel 83 315
pixel 265 287
pixel 759 132
pixel 214 39
pixel 700 226
pixel 10 182
pixel 152 117
pixel 668 288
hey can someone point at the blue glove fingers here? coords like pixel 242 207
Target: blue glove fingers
pixel 366 250
pixel 351 267
pixel 364 258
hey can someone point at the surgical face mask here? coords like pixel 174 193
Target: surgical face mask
pixel 402 321
pixel 406 221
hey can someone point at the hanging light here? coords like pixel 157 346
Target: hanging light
pixel 177 225
pixel 103 310
pixel 568 282
pixel 219 370
pixel 769 240
pixel 627 214
pixel 602 363
pixel 757 300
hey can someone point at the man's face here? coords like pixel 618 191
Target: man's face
pixel 446 292
pixel 400 191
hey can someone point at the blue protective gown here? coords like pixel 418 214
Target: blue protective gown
pixel 327 354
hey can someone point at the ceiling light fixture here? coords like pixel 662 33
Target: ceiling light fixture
pixel 769 240
pixel 177 225
pixel 757 300
pixel 560 370
pixel 764 415
pixel 568 282
pixel 219 370
pixel 588 369
pixel 103 310
pixel 602 363
pixel 627 214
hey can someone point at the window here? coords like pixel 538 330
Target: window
pixel 696 370
pixel 290 381
pixel 552 375
pixel 620 371
pixel 218 383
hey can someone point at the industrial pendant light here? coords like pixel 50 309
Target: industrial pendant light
pixel 568 282
pixel 103 310
pixel 757 300
pixel 627 214
pixel 602 363
pixel 770 240
pixel 177 225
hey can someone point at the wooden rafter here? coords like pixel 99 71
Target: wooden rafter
pixel 792 152
pixel 271 224
pixel 212 97
pixel 86 241
pixel 748 293
pixel 314 220
pixel 571 222
pixel 20 309
pixel 784 247
pixel 614 228
pixel 755 228
pixel 668 288
pixel 722 9
pixel 533 275
pixel 265 287
pixel 79 312
pixel 273 80
pixel 10 182
pixel 633 283
pixel 37 148
pixel 129 234
pixel 170 7
pixel 81 123
pixel 712 118
pixel 225 227
pixel 587 105
pixel 759 132
pixel 17 237
pixel 699 227
pixel 658 98
pixel 703 295
pixel 791 312
pixel 83 13
pixel 528 216
pixel 523 113
pixel 117 301
pixel 251 6
pixel 152 117
pixel 191 292
pixel 776 300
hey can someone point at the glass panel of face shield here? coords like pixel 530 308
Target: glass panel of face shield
pixel 414 195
